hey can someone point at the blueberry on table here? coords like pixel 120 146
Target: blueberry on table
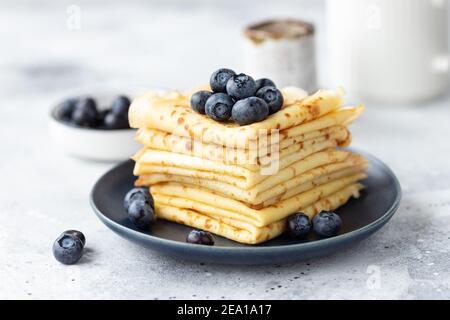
pixel 200 237
pixel 218 107
pixel 241 86
pixel 272 96
pixel 264 82
pixel 219 79
pixel 250 110
pixel 141 214
pixel 114 121
pixel 120 105
pixel 327 224
pixel 298 226
pixel 68 249
pixel 135 194
pixel 65 109
pixel 77 234
pixel 198 101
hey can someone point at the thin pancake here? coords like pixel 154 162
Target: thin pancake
pixel 203 200
pixel 171 113
pixel 245 233
pixel 261 193
pixel 166 163
pixel 158 140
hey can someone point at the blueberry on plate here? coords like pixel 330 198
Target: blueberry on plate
pixel 218 107
pixel 114 121
pixel 327 224
pixel 272 96
pixel 241 86
pixel 85 113
pixel 65 109
pixel 219 79
pixel 77 234
pixel 120 105
pixel 250 110
pixel 135 194
pixel 68 249
pixel 141 214
pixel 298 226
pixel 264 82
pixel 198 101
pixel 200 237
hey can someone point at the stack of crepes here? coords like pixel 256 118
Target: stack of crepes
pixel 243 182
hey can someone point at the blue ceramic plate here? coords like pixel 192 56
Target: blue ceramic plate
pixel 361 218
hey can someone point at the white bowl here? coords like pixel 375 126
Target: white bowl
pixel 93 144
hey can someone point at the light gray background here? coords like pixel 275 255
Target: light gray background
pixel 133 45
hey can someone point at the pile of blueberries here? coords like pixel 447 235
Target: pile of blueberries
pixel 83 112
pixel 238 97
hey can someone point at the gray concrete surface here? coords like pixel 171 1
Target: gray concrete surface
pixel 145 44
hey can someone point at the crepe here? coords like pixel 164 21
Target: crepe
pixel 158 140
pixel 270 190
pixel 203 200
pixel 245 232
pixel 170 163
pixel 171 113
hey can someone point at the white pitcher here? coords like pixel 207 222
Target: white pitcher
pixel 389 50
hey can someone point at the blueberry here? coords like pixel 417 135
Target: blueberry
pixel 77 234
pixel 65 109
pixel 142 194
pixel 68 249
pixel 142 214
pixel 250 110
pixel 219 106
pixel 241 86
pixel 200 237
pixel 101 115
pixel 272 96
pixel 298 226
pixel 120 105
pixel 114 121
pixel 85 113
pixel 264 82
pixel 219 79
pixel 327 224
pixel 198 101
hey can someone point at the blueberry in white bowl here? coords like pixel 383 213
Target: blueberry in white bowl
pixel 120 105
pixel 94 127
